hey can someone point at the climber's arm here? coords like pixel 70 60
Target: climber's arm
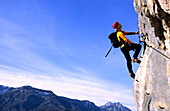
pixel 130 33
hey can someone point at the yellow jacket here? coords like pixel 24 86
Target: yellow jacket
pixel 122 35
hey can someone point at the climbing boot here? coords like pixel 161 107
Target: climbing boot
pixel 136 60
pixel 132 75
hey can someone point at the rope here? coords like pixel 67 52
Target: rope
pixel 158 51
pixel 138 34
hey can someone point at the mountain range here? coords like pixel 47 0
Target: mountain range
pixel 27 98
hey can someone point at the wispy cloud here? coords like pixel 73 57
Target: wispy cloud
pixel 95 90
pixel 36 56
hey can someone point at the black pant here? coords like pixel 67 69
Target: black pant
pixel 126 49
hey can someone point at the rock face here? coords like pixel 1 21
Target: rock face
pixel 152 82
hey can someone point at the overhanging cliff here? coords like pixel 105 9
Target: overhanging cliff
pixel 152 83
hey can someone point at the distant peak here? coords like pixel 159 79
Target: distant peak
pixel 3 89
pixel 108 103
pixel 117 106
pixel 26 87
pixel 1 86
pixel 117 103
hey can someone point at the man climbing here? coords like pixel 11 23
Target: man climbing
pixel 126 45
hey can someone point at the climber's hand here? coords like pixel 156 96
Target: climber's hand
pixel 137 32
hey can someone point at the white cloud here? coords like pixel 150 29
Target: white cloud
pixel 23 65
pixel 95 90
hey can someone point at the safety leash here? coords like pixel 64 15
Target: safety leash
pixel 157 51
pixel 153 47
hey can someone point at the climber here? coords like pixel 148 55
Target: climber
pixel 126 45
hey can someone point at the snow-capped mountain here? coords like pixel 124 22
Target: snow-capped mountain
pixel 114 107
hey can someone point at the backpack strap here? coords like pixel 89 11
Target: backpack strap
pixel 122 42
pixel 108 51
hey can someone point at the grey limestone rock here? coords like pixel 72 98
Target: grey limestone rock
pixel 151 86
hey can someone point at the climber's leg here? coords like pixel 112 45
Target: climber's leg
pixel 137 48
pixel 128 60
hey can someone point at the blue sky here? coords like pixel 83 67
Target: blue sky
pixel 60 45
